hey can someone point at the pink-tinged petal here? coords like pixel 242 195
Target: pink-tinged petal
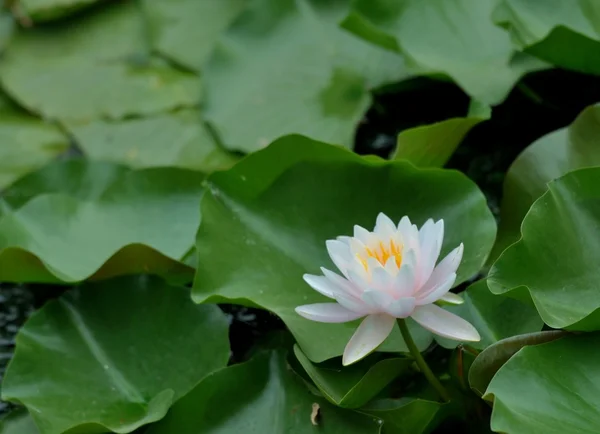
pixel 451 298
pixel 321 284
pixel 378 301
pixel 339 254
pixel 404 282
pixel 401 308
pixel 446 324
pixel 384 226
pixel 353 303
pixel 446 267
pixel 437 292
pixel 431 237
pixel 327 312
pixel 368 336
pixel 342 283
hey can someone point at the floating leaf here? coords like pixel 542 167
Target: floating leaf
pixel 143 222
pixel 554 263
pixel 406 415
pixel 355 385
pixel 26 144
pixel 549 388
pixel 98 66
pixel 493 316
pixel 78 178
pixel 18 422
pixel 433 145
pixel 496 355
pixel 546 159
pixel 564 34
pixel 174 139
pixel 256 397
pixel 453 37
pixel 265 223
pixel 101 359
pixel 187 30
pixel 285 67
pixel 44 10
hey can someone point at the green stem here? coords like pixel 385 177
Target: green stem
pixel 421 363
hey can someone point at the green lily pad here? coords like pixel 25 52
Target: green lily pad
pixel 554 263
pixel 564 34
pixel 171 139
pixel 98 66
pixel 549 388
pixel 45 10
pixel 79 178
pixel 277 207
pixel 256 397
pixel 187 30
pixel 496 355
pixel 144 221
pixel 101 359
pixel 18 422
pixel 355 385
pixel 285 67
pixel 495 317
pixel 406 415
pixel 26 144
pixel 546 159
pixel 454 37
pixel 433 145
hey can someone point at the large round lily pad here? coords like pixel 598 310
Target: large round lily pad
pixel 265 223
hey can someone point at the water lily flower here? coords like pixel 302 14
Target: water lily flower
pixel 387 274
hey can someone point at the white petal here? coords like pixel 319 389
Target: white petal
pixel 391 267
pixel 384 226
pixel 344 239
pixel 354 304
pixel 327 312
pixel 436 293
pixel 446 324
pixel 339 253
pixel 368 336
pixel 381 279
pixel 431 237
pixel 342 283
pixel 377 300
pixel 404 283
pixel 373 264
pixel 321 284
pixel 357 247
pixel 409 257
pixel 404 225
pixel 451 298
pixel 402 308
pixel 447 266
pixel 363 235
pixel 359 277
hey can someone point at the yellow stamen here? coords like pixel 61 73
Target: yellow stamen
pixel 382 253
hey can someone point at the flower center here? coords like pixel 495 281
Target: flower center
pixel 382 253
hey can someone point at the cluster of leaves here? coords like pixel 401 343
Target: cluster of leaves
pixel 162 98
